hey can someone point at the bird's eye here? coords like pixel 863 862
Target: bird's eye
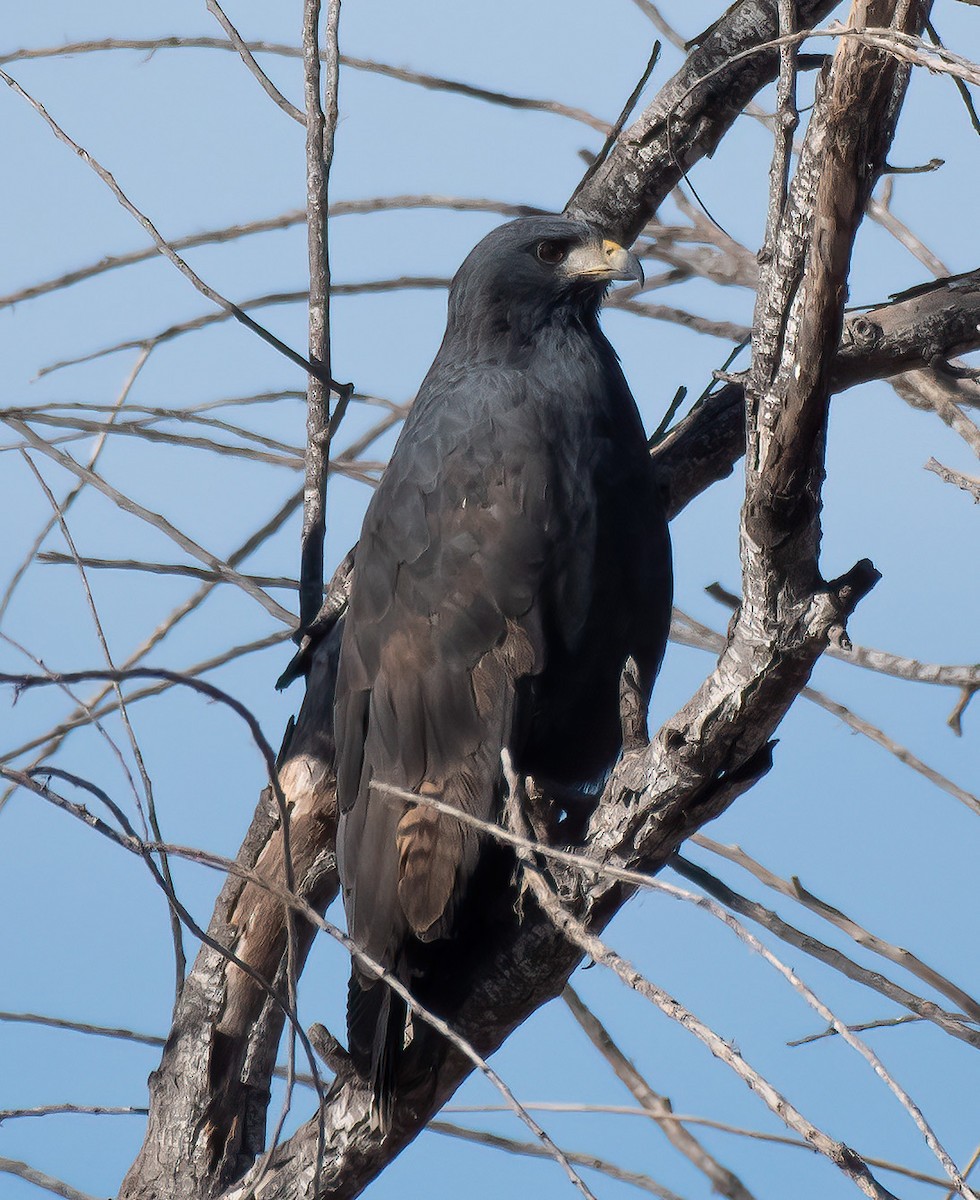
pixel 551 253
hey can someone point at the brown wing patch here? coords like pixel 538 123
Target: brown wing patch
pixel 494 675
pixel 433 848
pixel 430 849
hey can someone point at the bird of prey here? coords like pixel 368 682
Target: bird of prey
pixel 514 556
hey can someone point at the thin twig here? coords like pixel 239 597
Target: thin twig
pixel 370 287
pixel 156 520
pixel 691 632
pixel 158 240
pixel 248 59
pixel 593 867
pixel 128 838
pixel 483 1137
pixel 80 717
pixel 936 390
pixel 961 87
pixel 320 129
pixel 656 17
pixel 73 494
pixel 842 1156
pixel 54 558
pixel 776 1139
pixel 292 457
pixel 129 841
pixel 180 959
pixel 85 715
pixel 62 1110
pixel 658 1107
pixel 286 220
pixel 879 210
pixel 956 1025
pixel 794 890
pixel 864 1026
pixel 728 331
pixel 371 66
pixel 126 1035
pixel 902 753
pixel 868 657
pixel 619 124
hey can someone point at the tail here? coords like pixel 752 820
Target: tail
pixel 377 1019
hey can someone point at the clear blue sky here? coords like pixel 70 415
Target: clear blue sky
pixel 197 145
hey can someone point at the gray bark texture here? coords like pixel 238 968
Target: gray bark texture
pixel 206 1134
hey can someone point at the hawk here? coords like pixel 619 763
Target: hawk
pixel 514 556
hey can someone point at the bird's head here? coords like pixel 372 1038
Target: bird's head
pixel 528 271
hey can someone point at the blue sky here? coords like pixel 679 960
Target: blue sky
pixel 197 145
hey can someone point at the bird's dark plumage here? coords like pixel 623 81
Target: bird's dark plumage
pixel 514 555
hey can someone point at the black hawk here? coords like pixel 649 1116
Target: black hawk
pixel 513 557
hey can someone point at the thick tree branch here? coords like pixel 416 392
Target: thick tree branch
pixel 914 330
pixel 688 118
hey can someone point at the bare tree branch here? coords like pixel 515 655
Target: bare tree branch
pixel 923 1009
pixel 60 1110
pixel 12 1166
pixel 286 220
pixel 689 632
pixel 723 1181
pixel 248 59
pixel 534 1150
pixel 161 244
pixel 420 78
pixel 968 483
pixel 156 520
pixel 73 495
pixel 934 321
pixel 795 890
pixel 320 127
pixel 943 394
pixel 689 116
pixel 53 558
pixel 842 1156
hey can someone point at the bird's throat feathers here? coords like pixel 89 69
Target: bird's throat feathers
pixel 489 325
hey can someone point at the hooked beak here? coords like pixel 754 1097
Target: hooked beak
pixel 605 261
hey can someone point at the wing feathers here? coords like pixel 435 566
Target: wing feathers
pixel 430 850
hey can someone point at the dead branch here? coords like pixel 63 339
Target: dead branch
pixel 967 483
pixel 12 1166
pixel 484 1137
pixel 795 890
pixel 164 247
pixel 723 1181
pixel 320 127
pixel 937 320
pixel 922 1009
pixel 155 519
pixel 689 116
